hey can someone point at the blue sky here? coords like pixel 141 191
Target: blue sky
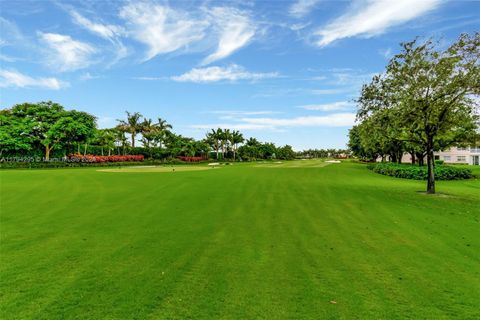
pixel 282 71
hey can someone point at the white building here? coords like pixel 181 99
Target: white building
pixel 457 155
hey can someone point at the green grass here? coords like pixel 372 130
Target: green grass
pixel 241 241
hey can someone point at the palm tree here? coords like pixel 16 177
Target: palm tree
pixel 163 130
pixel 224 136
pixel 235 138
pixel 213 139
pixel 132 125
pixel 252 142
pixel 163 125
pixel 120 138
pixel 188 147
pixel 104 138
pixel 148 132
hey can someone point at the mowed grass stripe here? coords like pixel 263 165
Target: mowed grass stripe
pixel 238 242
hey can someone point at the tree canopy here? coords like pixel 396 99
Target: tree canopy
pixel 425 101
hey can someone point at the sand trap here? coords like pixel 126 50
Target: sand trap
pixel 156 169
pixel 333 161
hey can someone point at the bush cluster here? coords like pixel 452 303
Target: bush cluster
pixel 407 171
pixel 70 164
pixel 93 158
pixel 63 164
pixel 191 159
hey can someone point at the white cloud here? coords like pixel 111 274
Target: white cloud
pixel 212 74
pixel 235 28
pixel 7 58
pixel 332 120
pixel 350 78
pixel 150 78
pixel 161 28
pixel 299 26
pixel 235 114
pixel 373 18
pixel 102 30
pixel 67 54
pixel 109 32
pixel 88 76
pixel 12 78
pixel 302 7
pixel 334 106
pixel 232 126
pixel 10 34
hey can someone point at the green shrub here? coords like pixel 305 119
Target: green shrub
pixel 406 171
pixel 439 162
pixel 38 164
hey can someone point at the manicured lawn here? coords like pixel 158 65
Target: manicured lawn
pixel 243 241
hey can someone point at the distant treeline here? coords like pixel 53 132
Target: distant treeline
pixel 46 130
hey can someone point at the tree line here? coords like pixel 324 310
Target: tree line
pixel 324 153
pixel 426 100
pixel 40 129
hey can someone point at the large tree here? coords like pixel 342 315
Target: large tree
pixel 52 126
pixel 14 133
pixel 431 93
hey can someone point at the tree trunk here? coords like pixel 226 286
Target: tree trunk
pixel 421 159
pixel 102 150
pixel 85 150
pixel 47 152
pixel 412 156
pixel 393 157
pixel 133 140
pixel 430 169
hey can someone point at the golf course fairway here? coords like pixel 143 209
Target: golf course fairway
pixel 302 240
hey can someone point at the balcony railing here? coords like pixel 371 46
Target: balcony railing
pixel 475 150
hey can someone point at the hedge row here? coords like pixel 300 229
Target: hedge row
pixel 407 171
pixel 65 164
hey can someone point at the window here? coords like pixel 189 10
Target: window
pixel 447 158
pixel 461 159
pixel 461 149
